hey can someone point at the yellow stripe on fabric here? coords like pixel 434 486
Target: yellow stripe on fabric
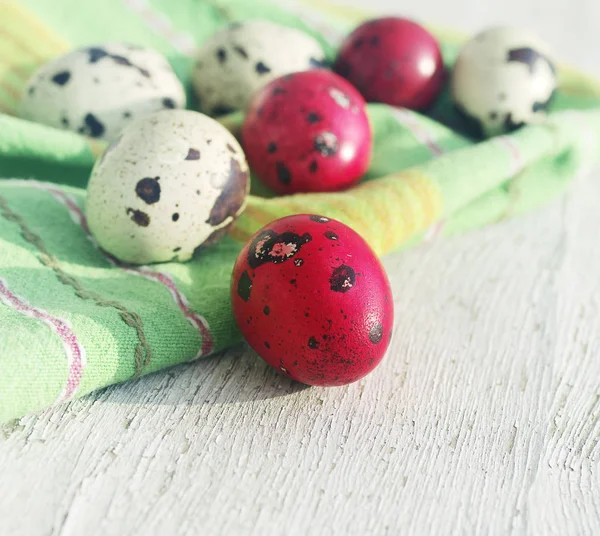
pixel 25 44
pixel 386 212
pixel 29 26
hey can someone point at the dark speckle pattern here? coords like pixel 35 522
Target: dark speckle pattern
pixel 148 190
pixel 244 287
pixel 261 68
pixel 140 218
pixel 313 344
pixel 313 118
pixel 92 126
pixel 232 197
pixel 268 246
pixel 193 154
pixel 221 55
pixel 342 279
pixel 61 78
pixel 241 51
pixel 283 173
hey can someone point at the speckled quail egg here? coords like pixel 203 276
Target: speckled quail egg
pixel 503 78
pixel 240 59
pixel 98 90
pixel 171 182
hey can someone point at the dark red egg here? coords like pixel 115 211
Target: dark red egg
pixel 393 60
pixel 313 300
pixel 308 132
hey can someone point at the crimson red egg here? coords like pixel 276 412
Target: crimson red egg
pixel 393 60
pixel 313 300
pixel 308 132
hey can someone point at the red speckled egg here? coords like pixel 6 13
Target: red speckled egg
pixel 308 132
pixel 394 61
pixel 311 297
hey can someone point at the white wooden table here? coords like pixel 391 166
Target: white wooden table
pixel 483 419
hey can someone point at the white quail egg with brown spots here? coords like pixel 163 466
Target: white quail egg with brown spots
pixel 98 90
pixel 170 183
pixel 240 59
pixel 503 78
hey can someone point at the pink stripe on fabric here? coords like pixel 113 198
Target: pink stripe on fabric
pixel 434 230
pixel 160 24
pixel 74 351
pixel 516 158
pixel 78 216
pixel 407 118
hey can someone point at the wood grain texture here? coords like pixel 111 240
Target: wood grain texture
pixel 483 419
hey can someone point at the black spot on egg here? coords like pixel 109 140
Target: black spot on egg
pixel 193 154
pixel 376 333
pixel 140 218
pixel 175 250
pixel 278 91
pixel 148 190
pixel 92 126
pixel 272 147
pixel 493 115
pixel 244 287
pixel 313 117
pixel 326 144
pixel 298 262
pixel 313 344
pixel 330 235
pixel 31 90
pixel 510 124
pixel 358 43
pixel 60 79
pixel 126 115
pixel 95 54
pixel 318 219
pixel 221 55
pixel 267 345
pixel 283 173
pixel 342 279
pixel 313 166
pixel 266 310
pixel 167 102
pixel 374 41
pixel 64 121
pixel 175 216
pixel 261 68
pixel 241 51
pixel 232 197
pixel 269 246
pixel 231 149
pixel 528 56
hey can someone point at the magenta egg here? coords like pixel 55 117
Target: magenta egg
pixel 313 300
pixel 394 61
pixel 308 132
